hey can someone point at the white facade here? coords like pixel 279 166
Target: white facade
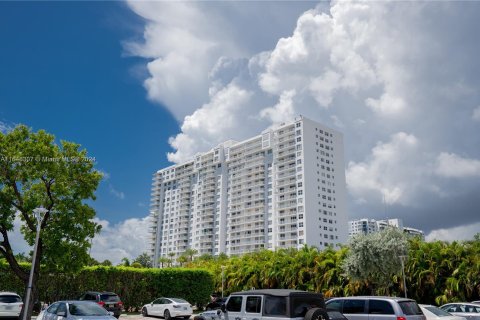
pixel 366 226
pixel 283 188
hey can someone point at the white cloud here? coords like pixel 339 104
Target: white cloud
pixel 283 111
pixel 451 165
pixel 126 239
pixel 464 232
pixel 17 241
pixel 389 171
pixel 119 194
pixel 360 66
pixel 476 114
pixel 215 122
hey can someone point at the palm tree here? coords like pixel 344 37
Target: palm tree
pixel 163 261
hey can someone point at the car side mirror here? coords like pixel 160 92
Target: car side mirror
pixel 223 308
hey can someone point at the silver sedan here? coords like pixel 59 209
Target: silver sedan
pixel 75 310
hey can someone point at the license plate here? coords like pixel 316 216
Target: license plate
pixel 8 308
pixel 184 308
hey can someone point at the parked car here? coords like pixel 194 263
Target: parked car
pixel 73 310
pixel 10 304
pixel 168 308
pixel 109 300
pixel 470 311
pixel 376 308
pixel 435 313
pixel 478 301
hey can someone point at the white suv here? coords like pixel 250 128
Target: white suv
pixel 10 304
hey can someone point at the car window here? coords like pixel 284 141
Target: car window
pixel 437 311
pixel 302 304
pixel 275 306
pixel 354 306
pixel 254 305
pixel 471 309
pixel 109 298
pixel 234 304
pixel 86 309
pixel 157 301
pixel 380 307
pixel 177 300
pixel 335 305
pixel 53 308
pixel 10 299
pixel 410 308
pixel 62 308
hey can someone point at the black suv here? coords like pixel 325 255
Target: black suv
pixel 109 300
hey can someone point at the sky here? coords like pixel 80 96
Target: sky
pixel 142 85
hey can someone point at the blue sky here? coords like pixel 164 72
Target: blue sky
pixel 142 83
pixel 63 69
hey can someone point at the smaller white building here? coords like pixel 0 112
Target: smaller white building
pixel 367 226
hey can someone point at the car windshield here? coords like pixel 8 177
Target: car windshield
pixel 10 299
pixel 438 312
pixel 178 300
pixel 109 297
pixel 86 309
pixel 410 308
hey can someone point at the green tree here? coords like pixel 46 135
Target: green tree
pixel 136 265
pixel 375 258
pixel 182 260
pixel 36 171
pixel 190 253
pixel 125 262
pixel 106 263
pixel 144 259
pixel 163 261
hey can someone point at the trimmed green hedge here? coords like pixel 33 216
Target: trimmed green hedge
pixel 135 286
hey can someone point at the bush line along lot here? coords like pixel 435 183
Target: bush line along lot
pixel 135 286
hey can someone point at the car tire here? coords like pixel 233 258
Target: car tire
pixel 167 315
pixel 144 312
pixel 316 314
pixel 199 318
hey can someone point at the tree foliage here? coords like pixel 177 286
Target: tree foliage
pixel 375 258
pixel 36 171
pixel 144 260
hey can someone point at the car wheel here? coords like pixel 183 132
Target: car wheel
pixel 167 315
pixel 316 314
pixel 144 312
pixel 199 318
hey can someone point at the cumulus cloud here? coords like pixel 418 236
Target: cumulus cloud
pixel 388 171
pixel 126 239
pixel 364 67
pixel 453 166
pixel 463 232
pixel 214 122
pixel 283 111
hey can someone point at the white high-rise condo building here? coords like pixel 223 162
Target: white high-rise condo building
pixel 280 189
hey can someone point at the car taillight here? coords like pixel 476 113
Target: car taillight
pixel 20 306
pixel 401 318
pixel 101 303
pixel 120 304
